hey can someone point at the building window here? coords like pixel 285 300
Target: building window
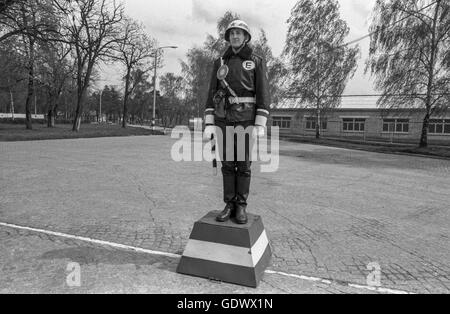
pixel 311 123
pixel 439 126
pixel 282 122
pixel 396 125
pixel 354 125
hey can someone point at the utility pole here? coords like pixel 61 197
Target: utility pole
pixel 154 89
pixel 154 82
pixel 35 101
pixel 100 109
pixel 318 80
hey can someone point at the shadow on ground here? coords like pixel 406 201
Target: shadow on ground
pixel 94 256
pixel 355 158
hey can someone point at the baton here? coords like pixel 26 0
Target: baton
pixel 213 152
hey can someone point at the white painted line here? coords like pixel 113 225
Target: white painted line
pixel 84 239
pixel 299 277
pixel 379 289
pixel 141 250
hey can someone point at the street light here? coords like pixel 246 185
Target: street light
pixel 154 82
pixel 100 111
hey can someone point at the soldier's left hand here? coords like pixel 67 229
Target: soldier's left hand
pixel 259 131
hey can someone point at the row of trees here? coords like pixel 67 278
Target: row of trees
pixel 57 45
pixel 409 55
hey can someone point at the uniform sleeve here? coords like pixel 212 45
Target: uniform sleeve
pixel 210 107
pixel 262 93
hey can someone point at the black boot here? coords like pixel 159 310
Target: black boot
pixel 225 215
pixel 241 215
pixel 242 192
pixel 229 196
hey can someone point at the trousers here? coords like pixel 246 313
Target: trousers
pixel 234 150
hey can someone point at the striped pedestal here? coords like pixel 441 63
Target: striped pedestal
pixel 227 251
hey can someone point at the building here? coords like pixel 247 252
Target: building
pixel 359 118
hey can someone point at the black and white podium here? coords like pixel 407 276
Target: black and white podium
pixel 227 252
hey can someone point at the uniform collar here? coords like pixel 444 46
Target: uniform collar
pixel 245 53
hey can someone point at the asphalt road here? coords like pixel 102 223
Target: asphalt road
pixel 328 212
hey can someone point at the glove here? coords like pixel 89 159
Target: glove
pixel 258 131
pixel 209 130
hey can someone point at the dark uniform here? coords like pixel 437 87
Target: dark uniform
pixel 247 77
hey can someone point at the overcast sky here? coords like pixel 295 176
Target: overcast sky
pixel 185 23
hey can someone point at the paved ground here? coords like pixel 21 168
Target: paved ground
pixel 328 213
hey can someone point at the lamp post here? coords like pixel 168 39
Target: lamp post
pixel 154 82
pixel 100 109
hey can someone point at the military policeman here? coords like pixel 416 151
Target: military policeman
pixel 238 100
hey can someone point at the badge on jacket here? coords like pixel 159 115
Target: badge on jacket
pixel 248 65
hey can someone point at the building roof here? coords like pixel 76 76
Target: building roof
pixel 351 102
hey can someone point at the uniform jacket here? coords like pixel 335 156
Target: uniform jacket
pixel 248 78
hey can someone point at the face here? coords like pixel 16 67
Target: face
pixel 237 37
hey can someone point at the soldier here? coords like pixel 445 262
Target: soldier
pixel 238 98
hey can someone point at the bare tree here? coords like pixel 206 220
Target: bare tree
pixel 410 56
pixel 11 18
pixel 134 51
pixel 13 73
pixel 28 22
pixel 28 18
pixel 92 28
pixel 55 70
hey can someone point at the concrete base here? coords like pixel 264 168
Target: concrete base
pixel 227 251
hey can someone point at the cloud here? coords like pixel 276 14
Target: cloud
pixel 204 13
pixel 357 13
pixel 362 8
pixel 256 13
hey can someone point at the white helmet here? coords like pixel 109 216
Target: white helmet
pixel 238 24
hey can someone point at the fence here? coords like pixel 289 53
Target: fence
pixel 21 116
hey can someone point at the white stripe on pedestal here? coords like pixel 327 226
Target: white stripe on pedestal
pixel 259 248
pixel 227 254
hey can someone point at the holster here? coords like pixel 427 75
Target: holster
pixel 220 103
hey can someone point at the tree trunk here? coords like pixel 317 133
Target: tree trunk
pixel 28 120
pixel 318 121
pixel 424 136
pixel 30 52
pixel 434 50
pixel 82 84
pixel 80 102
pixel 125 98
pixel 78 112
pixel 28 116
pixel 51 118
